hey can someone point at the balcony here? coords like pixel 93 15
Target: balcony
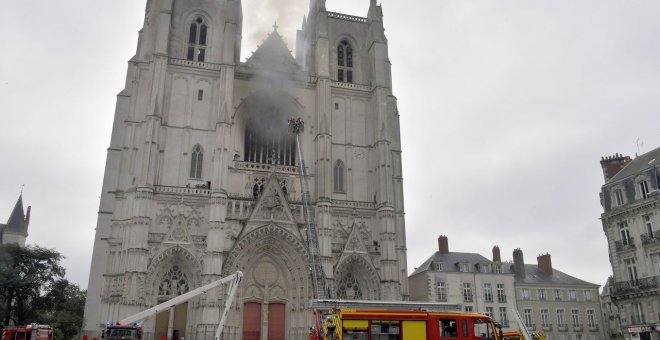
pixel 195 64
pixel 547 328
pixel 577 327
pixel 638 319
pixel 650 238
pixel 593 328
pixel 628 287
pixel 562 328
pixel 625 245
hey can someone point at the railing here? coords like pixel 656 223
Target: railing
pixel 341 16
pixel 627 245
pixel 488 299
pixel 547 328
pixel 351 86
pixel 577 327
pixel 290 169
pixel 593 328
pixel 635 285
pixel 651 238
pixel 163 189
pixel 562 328
pixel 196 64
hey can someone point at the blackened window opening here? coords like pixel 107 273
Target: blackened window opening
pixel 344 62
pixel 196 49
pixel 269 145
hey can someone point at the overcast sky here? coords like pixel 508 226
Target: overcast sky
pixel 506 109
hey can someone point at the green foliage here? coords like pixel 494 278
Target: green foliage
pixel 33 290
pixel 65 305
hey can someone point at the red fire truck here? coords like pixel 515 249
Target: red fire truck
pixel 28 332
pixel 364 324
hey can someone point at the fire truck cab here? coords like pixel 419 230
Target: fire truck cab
pixel 28 332
pixel 365 324
pixel 122 332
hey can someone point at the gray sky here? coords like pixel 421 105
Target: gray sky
pixel 506 108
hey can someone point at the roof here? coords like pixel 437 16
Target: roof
pixel 450 260
pixel 534 275
pixel 16 222
pixel 273 55
pixel 639 164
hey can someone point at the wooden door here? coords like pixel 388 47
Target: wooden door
pixel 252 321
pixel 276 325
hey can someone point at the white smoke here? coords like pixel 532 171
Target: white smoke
pixel 259 16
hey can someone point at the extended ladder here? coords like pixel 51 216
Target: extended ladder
pixel 297 127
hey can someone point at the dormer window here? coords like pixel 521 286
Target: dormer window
pixel 618 197
pixel 643 189
pixel 344 62
pixel 197 40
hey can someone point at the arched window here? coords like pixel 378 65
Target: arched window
pixel 349 288
pixel 196 159
pixel 269 143
pixel 338 176
pixel 344 62
pixel 197 40
pixel 174 283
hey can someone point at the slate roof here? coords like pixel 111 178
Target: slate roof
pixel 16 222
pixel 646 161
pixel 273 55
pixel 450 260
pixel 534 275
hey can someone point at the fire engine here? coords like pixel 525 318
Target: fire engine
pixel 388 324
pixel 130 328
pixel 28 332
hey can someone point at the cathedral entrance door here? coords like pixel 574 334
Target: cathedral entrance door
pixel 252 321
pixel 276 326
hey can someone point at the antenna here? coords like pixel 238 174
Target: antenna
pixel 639 143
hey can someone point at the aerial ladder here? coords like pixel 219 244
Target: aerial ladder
pixel 319 285
pixel 524 332
pixel 130 328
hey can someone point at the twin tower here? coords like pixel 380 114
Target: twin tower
pixel 201 177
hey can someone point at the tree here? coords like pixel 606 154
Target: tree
pixel 27 274
pixel 64 309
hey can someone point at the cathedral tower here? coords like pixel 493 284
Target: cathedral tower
pixel 201 176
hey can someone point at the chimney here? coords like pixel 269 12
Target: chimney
pixel 518 263
pixel 496 254
pixel 545 263
pixel 613 164
pixel 443 244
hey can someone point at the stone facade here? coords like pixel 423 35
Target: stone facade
pixel 469 280
pixel 547 300
pixel 201 175
pixel 631 203
pixel 561 306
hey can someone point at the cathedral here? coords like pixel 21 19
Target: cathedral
pixel 202 179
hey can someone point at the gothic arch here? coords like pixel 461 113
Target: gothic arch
pixel 269 106
pixel 164 261
pixel 359 269
pixel 284 251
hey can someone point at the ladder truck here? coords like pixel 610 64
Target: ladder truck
pixel 319 285
pixel 130 328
